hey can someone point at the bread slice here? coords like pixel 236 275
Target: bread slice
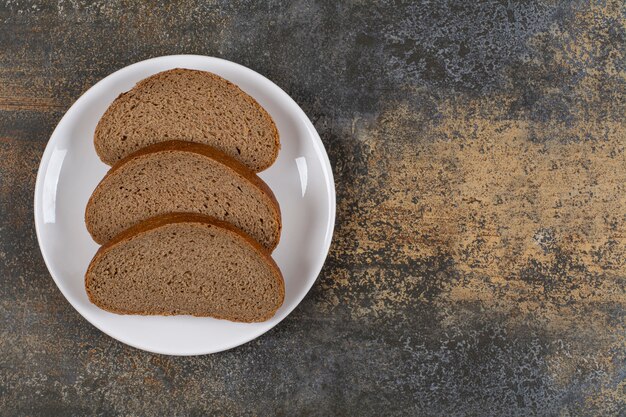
pixel 182 177
pixel 186 264
pixel 189 105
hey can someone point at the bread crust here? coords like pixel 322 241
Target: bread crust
pixel 173 218
pixel 199 149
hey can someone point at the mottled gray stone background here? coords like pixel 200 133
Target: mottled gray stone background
pixel 479 260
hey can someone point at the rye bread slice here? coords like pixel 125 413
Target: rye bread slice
pixel 186 264
pixel 189 105
pixel 185 177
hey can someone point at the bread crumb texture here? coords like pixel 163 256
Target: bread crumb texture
pixel 186 268
pixel 188 105
pixel 177 179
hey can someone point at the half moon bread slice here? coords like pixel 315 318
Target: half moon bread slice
pixel 190 105
pixel 186 264
pixel 184 177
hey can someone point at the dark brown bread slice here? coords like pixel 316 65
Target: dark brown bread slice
pixel 186 264
pixel 189 105
pixel 185 177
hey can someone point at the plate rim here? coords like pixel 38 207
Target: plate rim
pixel 318 146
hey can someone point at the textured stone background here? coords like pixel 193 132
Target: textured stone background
pixel 479 259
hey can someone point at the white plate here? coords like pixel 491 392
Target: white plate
pixel 301 178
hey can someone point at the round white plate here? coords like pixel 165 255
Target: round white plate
pixel 301 178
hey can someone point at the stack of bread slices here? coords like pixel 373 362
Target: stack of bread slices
pixel 186 225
